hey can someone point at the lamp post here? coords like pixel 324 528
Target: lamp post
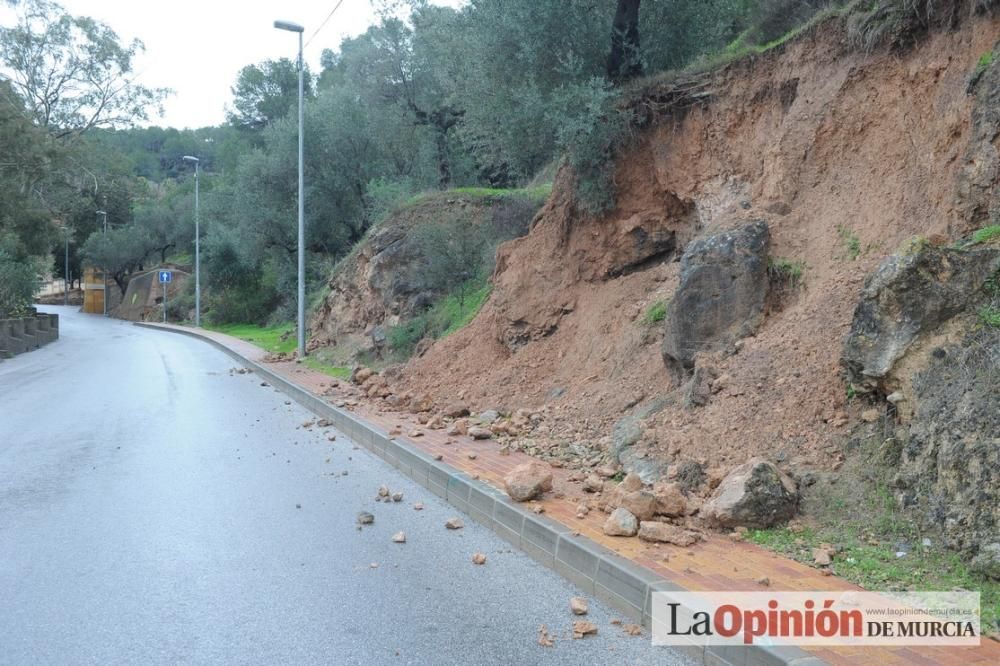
pixel 104 271
pixel 295 27
pixel 197 245
pixel 66 268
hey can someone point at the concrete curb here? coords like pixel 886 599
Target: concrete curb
pixel 597 570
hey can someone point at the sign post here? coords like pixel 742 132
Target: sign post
pixel 165 278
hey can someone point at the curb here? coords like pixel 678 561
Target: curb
pixel 595 569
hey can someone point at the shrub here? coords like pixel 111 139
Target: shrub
pixel 18 283
pixel 786 271
pixel 852 244
pixel 655 313
pixel 592 138
pixel 986 234
pixel 990 316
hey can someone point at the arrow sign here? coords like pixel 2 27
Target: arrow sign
pixel 166 276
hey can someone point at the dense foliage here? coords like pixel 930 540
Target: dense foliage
pixel 430 97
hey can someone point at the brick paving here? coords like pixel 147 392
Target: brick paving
pixel 718 563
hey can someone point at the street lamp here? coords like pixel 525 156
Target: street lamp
pixel 295 27
pixel 66 268
pixel 197 245
pixel 104 270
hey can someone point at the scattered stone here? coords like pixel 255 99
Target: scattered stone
pixel 640 504
pixel 454 523
pixel 670 501
pixel 544 639
pixel 593 484
pixel 365 518
pixel 395 432
pixel 632 483
pixel 455 410
pixel 621 523
pixel 755 494
pixel 582 511
pixel 472 455
pixel 458 428
pixel 578 606
pixel 528 481
pixel 399 537
pixel 361 374
pixel 419 506
pixel 478 432
pixel 332 438
pixel 397 497
pixel 489 416
pixel 478 558
pixel 606 471
pixel 821 557
pixel 870 415
pixel 764 582
pixel 651 530
pixel 632 629
pixel 383 491
pixel 373 565
pixel 416 433
pixel 538 509
pixel 438 456
pixel 583 628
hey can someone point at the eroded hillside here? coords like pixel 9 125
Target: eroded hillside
pixel 843 153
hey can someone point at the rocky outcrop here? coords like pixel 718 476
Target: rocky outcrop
pixel 384 279
pixel 918 337
pixel 755 494
pixel 721 296
pixel 909 296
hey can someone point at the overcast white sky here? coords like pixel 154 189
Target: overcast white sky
pixel 197 47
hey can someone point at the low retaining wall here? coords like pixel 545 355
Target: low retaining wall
pixel 25 334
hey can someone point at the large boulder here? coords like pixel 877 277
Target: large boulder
pixel 910 295
pixel 755 494
pixel 621 523
pixel 721 295
pixel 528 481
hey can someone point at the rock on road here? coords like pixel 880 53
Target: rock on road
pixel 157 508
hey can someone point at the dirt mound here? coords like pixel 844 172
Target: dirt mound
pixel 845 154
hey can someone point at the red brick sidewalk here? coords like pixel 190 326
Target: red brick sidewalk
pixel 718 563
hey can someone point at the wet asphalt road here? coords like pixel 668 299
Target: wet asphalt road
pixel 150 513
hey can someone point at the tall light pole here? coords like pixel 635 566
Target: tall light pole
pixel 104 270
pixel 197 245
pixel 295 27
pixel 66 268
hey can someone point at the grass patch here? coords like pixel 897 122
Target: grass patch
pixel 872 563
pixel 318 363
pixel 786 271
pixel 851 243
pixel 448 315
pixel 181 259
pixel 989 315
pixel 984 63
pixel 655 313
pixel 537 194
pixel 279 339
pixel 986 234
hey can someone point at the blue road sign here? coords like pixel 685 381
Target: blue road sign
pixel 166 276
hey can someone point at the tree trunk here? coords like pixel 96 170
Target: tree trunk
pixel 623 61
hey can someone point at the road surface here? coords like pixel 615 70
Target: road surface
pixel 156 507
